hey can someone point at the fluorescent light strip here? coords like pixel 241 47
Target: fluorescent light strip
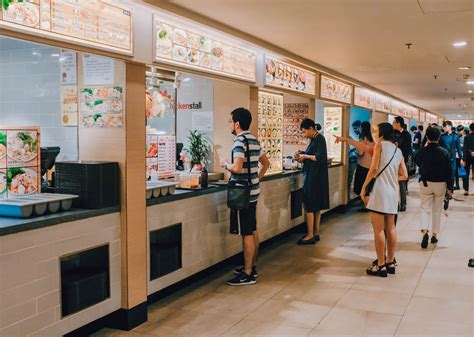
pixel 460 44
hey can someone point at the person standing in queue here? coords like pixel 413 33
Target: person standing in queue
pixel 387 167
pixel 363 161
pixel 450 141
pixel 435 177
pixel 246 157
pixel 316 181
pixel 468 155
pixel 403 139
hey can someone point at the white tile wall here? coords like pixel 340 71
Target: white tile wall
pixel 30 281
pixel 29 93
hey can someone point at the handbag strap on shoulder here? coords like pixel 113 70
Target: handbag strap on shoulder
pixel 388 162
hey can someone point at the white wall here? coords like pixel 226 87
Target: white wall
pixel 29 93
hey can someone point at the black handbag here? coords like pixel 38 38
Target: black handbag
pixel 238 190
pixel 370 185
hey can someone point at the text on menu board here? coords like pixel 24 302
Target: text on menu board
pixel 400 109
pixel 336 90
pixel 383 104
pixel 364 98
pixel 196 50
pixel 99 23
pixel 283 75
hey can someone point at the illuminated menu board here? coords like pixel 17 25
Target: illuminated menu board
pixel 422 116
pixel 336 90
pixel 364 98
pixel 383 103
pixel 97 23
pixel 400 109
pixel 286 76
pixel 190 48
pixel 430 118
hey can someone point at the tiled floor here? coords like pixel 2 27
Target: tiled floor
pixel 322 290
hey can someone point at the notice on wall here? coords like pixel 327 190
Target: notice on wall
pixel 98 70
pixel 333 127
pixel 68 63
pixel 101 106
pixel 202 121
pixel 69 105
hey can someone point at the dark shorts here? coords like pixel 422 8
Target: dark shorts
pixel 359 178
pixel 244 222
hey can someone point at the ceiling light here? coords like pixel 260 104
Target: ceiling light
pixel 470 91
pixel 460 44
pixel 470 82
pixel 459 116
pixel 464 68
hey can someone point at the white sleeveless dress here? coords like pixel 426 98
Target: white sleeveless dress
pixel 385 195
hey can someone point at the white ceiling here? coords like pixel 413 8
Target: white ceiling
pixel 365 39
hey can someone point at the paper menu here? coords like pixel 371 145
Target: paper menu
pixel 364 98
pixel 284 75
pixel 270 128
pixel 335 90
pixel 101 106
pixel 69 105
pixel 294 114
pixel 333 127
pixel 161 156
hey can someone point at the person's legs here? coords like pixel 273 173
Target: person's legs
pixel 317 222
pixel 391 232
pixel 426 198
pixel 403 195
pixel 256 239
pixel 456 174
pixel 438 197
pixel 378 224
pixel 309 226
pixel 249 253
pixel 465 180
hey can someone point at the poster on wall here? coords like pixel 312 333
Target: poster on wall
pixel 68 64
pixel 283 75
pixel 335 90
pixel 270 128
pixel 19 161
pixel 97 70
pixel 364 98
pixel 101 106
pixel 193 48
pixel 98 23
pixel 69 105
pixel 333 127
pixel 293 115
pixel 383 103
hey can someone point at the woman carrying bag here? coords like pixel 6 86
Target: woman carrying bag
pixel 380 194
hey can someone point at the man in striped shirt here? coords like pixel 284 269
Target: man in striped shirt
pixel 244 222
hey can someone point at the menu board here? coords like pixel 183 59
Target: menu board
pixel 19 161
pixel 101 106
pixel 293 115
pixel 270 128
pixel 98 23
pixel 383 103
pixel 336 90
pixel 430 118
pixel 364 98
pixel 194 49
pixel 283 75
pixel 401 109
pixel 415 114
pixel 333 127
pixel 422 116
pixel 160 156
pixel 69 105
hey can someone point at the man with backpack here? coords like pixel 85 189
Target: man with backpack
pixel 450 141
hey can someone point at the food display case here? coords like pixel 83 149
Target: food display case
pixel 270 128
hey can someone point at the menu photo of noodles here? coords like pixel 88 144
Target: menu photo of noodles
pixel 284 75
pixel 294 113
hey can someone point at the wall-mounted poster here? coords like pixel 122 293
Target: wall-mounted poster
pixel 283 75
pixel 101 24
pixel 336 90
pixel 333 127
pixel 69 105
pixel 364 98
pixel 68 64
pixel 270 128
pixel 191 48
pixel 383 103
pixel 101 106
pixel 293 115
pixel 19 161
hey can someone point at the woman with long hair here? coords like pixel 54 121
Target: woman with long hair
pixel 387 167
pixel 316 181
pixel 364 159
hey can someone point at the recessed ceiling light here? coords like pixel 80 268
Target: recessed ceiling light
pixel 470 82
pixel 460 44
pixel 470 91
pixel 464 68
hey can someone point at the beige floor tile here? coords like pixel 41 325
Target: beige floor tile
pixel 385 303
pixel 253 328
pixel 292 313
pixel 263 289
pixel 403 282
pixel 348 322
pixel 436 317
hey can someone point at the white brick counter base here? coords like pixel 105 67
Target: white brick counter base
pixel 30 299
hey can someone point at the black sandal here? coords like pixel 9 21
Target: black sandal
pixel 376 262
pixel 390 267
pixel 380 272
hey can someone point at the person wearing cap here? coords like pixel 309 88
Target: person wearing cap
pixel 403 140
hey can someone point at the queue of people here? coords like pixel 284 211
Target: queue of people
pixel 381 178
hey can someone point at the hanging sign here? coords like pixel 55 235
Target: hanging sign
pixel 336 90
pixel 383 103
pixel 282 75
pixel 364 98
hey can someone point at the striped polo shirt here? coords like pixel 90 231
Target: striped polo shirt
pixel 239 151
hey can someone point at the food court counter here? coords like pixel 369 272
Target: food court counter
pixel 189 231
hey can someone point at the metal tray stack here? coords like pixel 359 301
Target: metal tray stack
pixel 38 204
pixel 156 188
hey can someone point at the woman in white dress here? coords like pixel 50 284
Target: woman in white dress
pixel 388 167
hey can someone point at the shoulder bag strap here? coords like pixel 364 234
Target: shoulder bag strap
pixel 248 159
pixel 388 162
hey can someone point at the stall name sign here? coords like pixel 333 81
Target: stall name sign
pixel 383 104
pixel 191 48
pixel 364 98
pixel 336 90
pixel 188 106
pixel 283 75
pixel 97 23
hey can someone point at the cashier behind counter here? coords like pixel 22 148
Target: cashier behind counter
pixel 48 159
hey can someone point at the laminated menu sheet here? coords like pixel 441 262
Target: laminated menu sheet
pixel 270 128
pixel 294 114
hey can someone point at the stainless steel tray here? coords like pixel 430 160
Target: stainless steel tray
pixel 156 188
pixel 38 204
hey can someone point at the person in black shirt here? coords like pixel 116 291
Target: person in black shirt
pixel 468 155
pixel 417 139
pixel 435 176
pixel 403 139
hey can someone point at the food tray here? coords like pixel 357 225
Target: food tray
pixel 39 204
pixel 156 188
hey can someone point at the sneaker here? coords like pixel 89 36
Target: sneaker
pixel 240 270
pixel 403 208
pixel 424 242
pixel 466 193
pixel 434 239
pixel 242 280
